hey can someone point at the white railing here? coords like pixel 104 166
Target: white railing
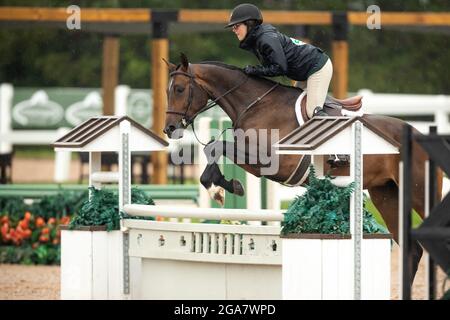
pixel 203 213
pixel 437 106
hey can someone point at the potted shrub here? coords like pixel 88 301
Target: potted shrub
pixel 92 248
pixel 317 247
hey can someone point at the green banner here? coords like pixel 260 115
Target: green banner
pixel 52 108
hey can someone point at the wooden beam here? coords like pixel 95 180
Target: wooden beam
pixel 403 18
pixel 160 77
pixel 270 16
pixel 340 68
pixel 110 73
pixel 115 15
pixel 220 16
pixel 205 16
pixel 87 14
pixel 297 17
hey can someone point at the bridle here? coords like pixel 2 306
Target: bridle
pixel 185 120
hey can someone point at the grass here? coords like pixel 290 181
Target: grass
pixel 34 152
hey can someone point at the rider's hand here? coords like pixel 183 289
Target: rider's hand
pixel 250 70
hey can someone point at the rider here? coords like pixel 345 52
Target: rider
pixel 281 55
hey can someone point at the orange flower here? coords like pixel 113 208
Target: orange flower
pixel 55 241
pixel 28 215
pixel 64 220
pixel 43 238
pixel 40 222
pixel 26 234
pixel 23 224
pixel 6 237
pixel 19 231
pixel 45 231
pixel 51 221
pixel 5 228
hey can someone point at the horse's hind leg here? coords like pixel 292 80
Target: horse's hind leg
pixel 385 198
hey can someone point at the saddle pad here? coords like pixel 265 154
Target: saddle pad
pixel 298 108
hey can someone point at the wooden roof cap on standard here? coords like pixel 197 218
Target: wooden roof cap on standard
pixel 93 128
pixel 318 130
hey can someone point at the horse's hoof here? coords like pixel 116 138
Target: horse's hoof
pixel 220 197
pixel 218 194
pixel 238 189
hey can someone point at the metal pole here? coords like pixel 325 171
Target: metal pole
pixel 125 196
pixel 405 213
pixel 356 209
pixel 432 199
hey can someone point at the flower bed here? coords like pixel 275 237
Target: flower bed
pixel 30 240
pixel 30 233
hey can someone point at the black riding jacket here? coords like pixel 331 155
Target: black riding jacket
pixel 281 55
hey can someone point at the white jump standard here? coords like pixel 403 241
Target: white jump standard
pixel 328 277
pixel 164 260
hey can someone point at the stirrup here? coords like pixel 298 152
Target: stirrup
pixel 319 112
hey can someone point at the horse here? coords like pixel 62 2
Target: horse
pixel 190 88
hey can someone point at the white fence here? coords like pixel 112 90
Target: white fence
pixel 410 105
pixel 405 105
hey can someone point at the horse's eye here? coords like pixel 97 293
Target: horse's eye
pixel 179 89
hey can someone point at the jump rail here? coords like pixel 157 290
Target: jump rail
pixel 203 213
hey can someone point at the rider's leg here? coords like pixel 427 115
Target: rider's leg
pixel 301 85
pixel 317 87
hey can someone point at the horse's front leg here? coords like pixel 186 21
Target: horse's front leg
pixel 213 179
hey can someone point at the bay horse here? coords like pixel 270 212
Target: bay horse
pixel 190 88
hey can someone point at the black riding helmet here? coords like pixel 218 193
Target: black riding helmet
pixel 244 12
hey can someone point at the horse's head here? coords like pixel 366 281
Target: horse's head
pixel 186 98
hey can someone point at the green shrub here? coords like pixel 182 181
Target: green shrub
pixel 103 209
pixel 324 208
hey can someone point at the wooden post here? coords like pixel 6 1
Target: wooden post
pixel 340 55
pixel 160 78
pixel 160 49
pixel 110 72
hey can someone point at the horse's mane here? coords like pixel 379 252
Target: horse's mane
pixel 235 68
pixel 222 64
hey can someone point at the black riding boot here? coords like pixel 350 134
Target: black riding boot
pixel 319 112
pixel 335 160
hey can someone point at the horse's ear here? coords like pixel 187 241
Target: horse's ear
pixel 171 66
pixel 184 62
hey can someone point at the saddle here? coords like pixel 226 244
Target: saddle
pixel 334 106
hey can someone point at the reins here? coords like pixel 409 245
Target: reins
pixel 186 121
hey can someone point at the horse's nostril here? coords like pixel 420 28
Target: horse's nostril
pixel 169 130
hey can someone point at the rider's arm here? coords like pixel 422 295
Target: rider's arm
pixel 270 48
